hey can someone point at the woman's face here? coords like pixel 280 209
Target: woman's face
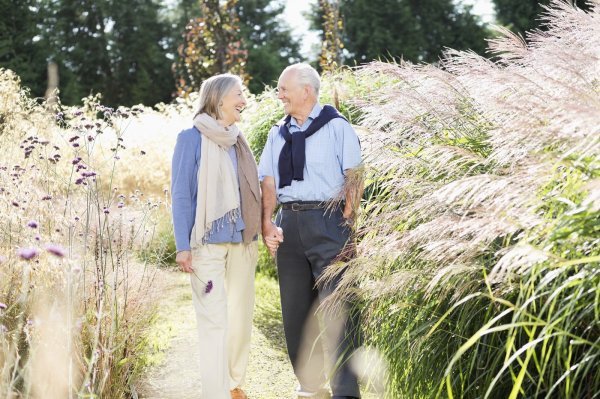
pixel 233 103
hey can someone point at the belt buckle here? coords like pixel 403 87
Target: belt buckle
pixel 294 207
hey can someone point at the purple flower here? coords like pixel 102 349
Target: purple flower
pixel 46 198
pixel 106 211
pixel 209 287
pixel 33 224
pixel 37 237
pixel 72 139
pixel 27 253
pixel 120 205
pixel 79 181
pixel 3 306
pixel 56 250
pixel 76 161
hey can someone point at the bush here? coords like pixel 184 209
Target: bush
pixel 478 256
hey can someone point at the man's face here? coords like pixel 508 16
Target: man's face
pixel 290 92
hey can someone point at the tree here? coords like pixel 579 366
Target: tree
pixel 268 40
pixel 524 15
pixel 139 54
pixel 76 33
pixel 211 45
pixel 20 47
pixel 331 47
pixel 416 30
pixel 115 48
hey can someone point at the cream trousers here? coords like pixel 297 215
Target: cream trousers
pixel 224 315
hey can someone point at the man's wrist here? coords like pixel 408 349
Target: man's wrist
pixel 268 222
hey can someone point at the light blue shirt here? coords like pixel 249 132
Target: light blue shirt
pixel 184 194
pixel 329 152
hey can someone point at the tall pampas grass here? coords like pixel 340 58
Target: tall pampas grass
pixel 477 268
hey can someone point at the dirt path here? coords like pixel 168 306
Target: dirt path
pixel 269 373
pixel 175 374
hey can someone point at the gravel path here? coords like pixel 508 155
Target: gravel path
pixel 175 376
pixel 269 373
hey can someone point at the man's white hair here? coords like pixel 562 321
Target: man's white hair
pixel 307 75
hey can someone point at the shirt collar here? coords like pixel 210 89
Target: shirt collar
pixel 313 114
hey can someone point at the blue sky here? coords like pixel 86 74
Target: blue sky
pixel 310 40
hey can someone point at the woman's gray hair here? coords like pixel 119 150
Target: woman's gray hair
pixel 212 92
pixel 307 75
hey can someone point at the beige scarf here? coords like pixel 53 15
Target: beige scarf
pixel 218 188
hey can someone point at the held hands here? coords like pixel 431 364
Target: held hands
pixel 272 237
pixel 184 260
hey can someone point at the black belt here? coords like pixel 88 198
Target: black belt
pixel 304 205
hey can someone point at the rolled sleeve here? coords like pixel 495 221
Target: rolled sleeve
pixel 183 182
pixel 265 165
pixel 348 152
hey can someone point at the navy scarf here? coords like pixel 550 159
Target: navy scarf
pixel 293 157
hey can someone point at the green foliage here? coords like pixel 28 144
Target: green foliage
pixel 20 49
pixel 140 60
pixel 160 249
pixel 268 39
pixel 259 117
pixel 525 15
pixel 413 30
pixel 266 264
pixel 212 45
pixel 114 48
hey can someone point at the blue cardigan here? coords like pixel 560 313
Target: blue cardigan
pixel 184 193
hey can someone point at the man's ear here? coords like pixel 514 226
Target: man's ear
pixel 306 92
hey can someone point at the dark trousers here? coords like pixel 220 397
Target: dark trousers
pixel 312 239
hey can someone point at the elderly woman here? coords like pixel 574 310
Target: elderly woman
pixel 216 218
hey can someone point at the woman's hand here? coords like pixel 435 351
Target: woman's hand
pixel 184 260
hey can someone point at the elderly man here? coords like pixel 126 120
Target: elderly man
pixel 303 167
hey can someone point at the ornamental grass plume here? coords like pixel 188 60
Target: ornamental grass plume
pixel 478 240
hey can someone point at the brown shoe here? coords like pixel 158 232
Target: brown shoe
pixel 237 393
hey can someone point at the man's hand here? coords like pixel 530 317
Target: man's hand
pixel 184 260
pixel 272 237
